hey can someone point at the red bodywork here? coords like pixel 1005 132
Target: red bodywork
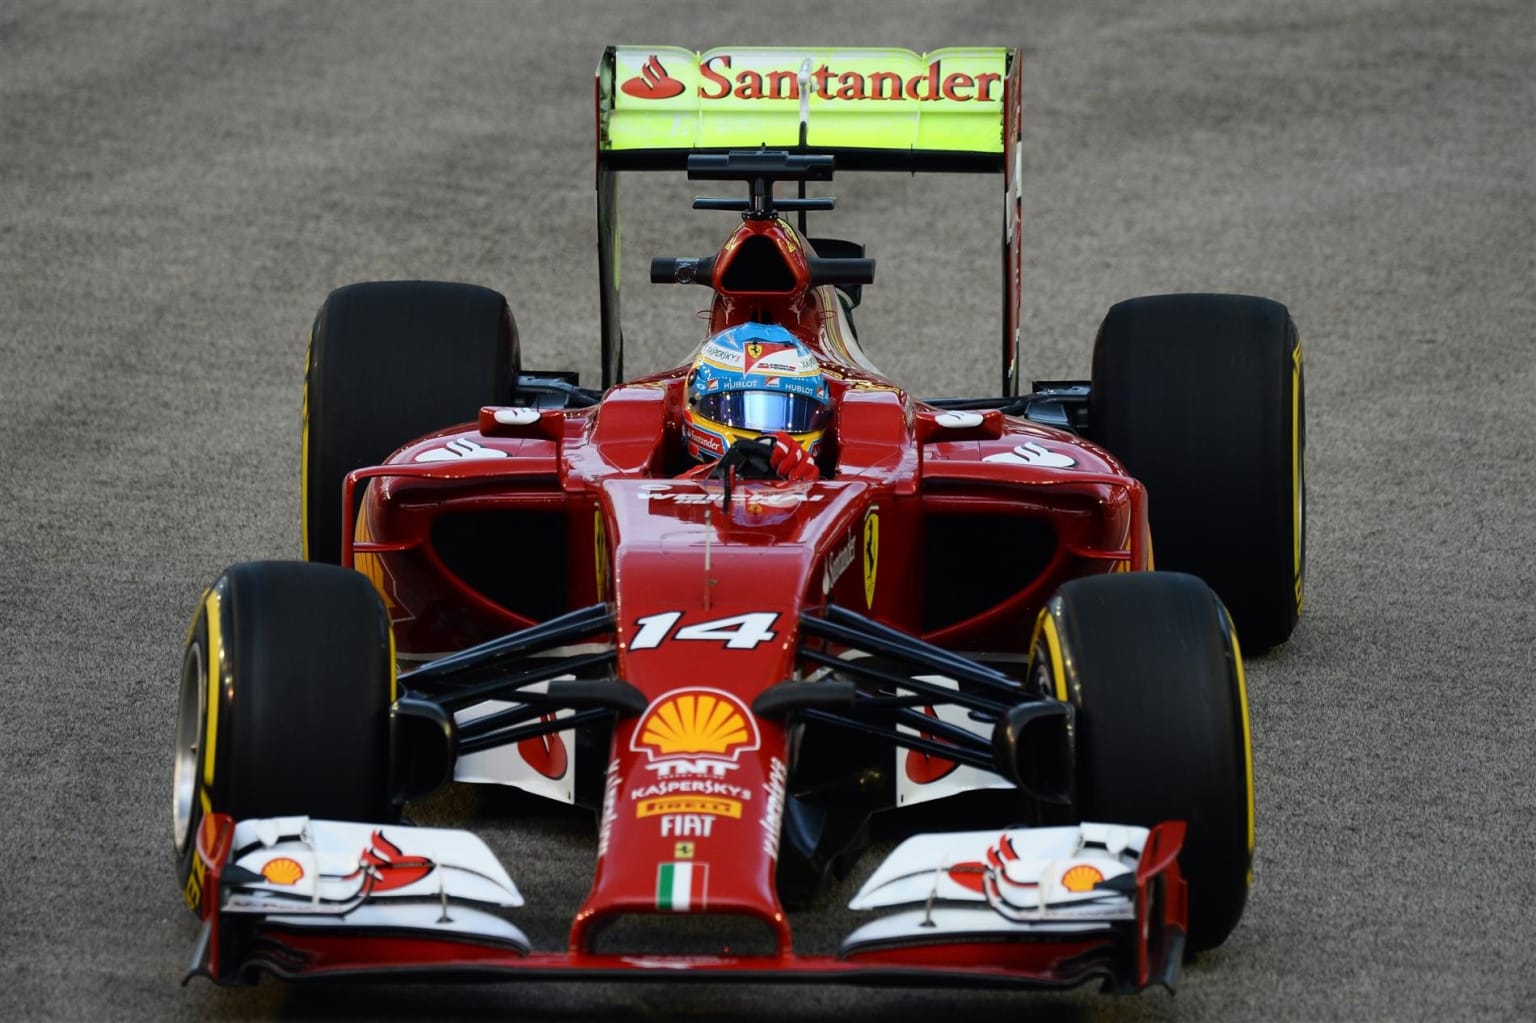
pixel 909 526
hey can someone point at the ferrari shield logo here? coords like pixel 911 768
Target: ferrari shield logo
pixel 600 553
pixel 871 555
pixel 755 350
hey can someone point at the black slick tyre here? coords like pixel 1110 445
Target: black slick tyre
pixel 1151 662
pixel 1201 397
pixel 389 362
pixel 286 686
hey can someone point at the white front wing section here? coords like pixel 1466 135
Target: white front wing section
pixel 334 874
pixel 544 767
pixel 921 778
pixel 985 885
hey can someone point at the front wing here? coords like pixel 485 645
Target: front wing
pixel 1040 907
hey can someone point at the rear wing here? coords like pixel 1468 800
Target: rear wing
pixel 954 110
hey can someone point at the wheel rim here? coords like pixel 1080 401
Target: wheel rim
pixel 190 712
pixel 1040 679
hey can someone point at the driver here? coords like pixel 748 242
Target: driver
pixel 756 382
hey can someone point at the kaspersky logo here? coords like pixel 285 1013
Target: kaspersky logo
pixel 700 732
pixel 853 76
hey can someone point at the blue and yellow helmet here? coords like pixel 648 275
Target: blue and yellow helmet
pixel 750 380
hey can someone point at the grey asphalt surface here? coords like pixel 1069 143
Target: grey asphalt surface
pixel 180 185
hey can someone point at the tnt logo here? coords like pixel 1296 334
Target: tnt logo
pixel 679 767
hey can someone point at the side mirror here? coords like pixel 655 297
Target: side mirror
pixel 1034 746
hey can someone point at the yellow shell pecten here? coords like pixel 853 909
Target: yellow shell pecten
pixel 282 871
pixel 1081 878
pixel 695 724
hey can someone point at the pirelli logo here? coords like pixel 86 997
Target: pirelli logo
pixel 688 804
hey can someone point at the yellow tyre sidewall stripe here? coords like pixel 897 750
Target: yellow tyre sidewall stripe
pixel 1242 704
pixel 212 611
pixel 1045 628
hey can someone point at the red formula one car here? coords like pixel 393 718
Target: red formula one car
pixel 953 610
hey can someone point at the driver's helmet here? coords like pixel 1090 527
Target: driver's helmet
pixel 750 380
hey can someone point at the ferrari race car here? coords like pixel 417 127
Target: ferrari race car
pixel 514 580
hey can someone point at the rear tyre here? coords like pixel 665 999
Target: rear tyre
pixel 1151 662
pixel 286 686
pixel 1202 398
pixel 389 362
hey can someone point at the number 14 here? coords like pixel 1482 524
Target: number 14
pixel 738 632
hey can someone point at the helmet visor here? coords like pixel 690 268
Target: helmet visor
pixel 763 411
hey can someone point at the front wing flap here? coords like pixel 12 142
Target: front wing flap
pixel 1066 903
pixel 1041 907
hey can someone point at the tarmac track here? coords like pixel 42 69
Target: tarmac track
pixel 181 184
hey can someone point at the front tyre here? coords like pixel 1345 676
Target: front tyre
pixel 1152 664
pixel 286 684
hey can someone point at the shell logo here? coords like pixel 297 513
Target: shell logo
pixel 696 722
pixel 1081 878
pixel 282 871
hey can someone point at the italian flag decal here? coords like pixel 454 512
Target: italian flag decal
pixel 680 886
